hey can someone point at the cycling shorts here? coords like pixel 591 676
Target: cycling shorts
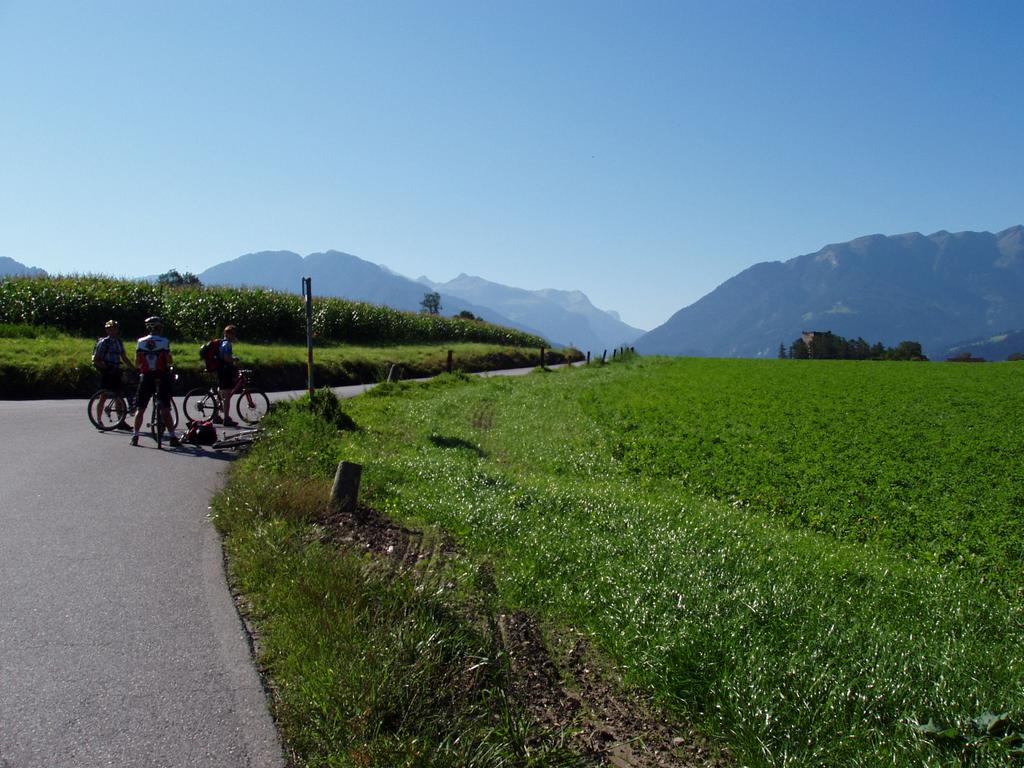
pixel 154 382
pixel 227 376
pixel 110 378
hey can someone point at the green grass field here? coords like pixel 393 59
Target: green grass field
pixel 817 563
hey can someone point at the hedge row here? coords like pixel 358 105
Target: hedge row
pixel 81 305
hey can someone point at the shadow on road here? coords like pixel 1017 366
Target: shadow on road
pixel 148 442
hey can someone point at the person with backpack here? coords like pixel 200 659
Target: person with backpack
pixel 227 375
pixel 107 357
pixel 153 358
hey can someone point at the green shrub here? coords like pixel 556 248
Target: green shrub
pixel 26 331
pixel 326 405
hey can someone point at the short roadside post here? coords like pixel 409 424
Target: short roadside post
pixel 307 292
pixel 345 491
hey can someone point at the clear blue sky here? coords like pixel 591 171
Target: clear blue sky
pixel 642 152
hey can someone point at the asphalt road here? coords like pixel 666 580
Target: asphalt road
pixel 119 641
pixel 120 644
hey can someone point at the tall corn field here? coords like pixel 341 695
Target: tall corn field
pixel 81 305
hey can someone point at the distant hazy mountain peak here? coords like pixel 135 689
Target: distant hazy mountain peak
pixel 472 280
pixel 9 266
pixel 566 315
pixel 562 317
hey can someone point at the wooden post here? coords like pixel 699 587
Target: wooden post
pixel 345 492
pixel 604 355
pixel 450 361
pixel 307 292
pixel 588 357
pixel 542 357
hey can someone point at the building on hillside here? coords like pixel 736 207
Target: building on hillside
pixel 808 336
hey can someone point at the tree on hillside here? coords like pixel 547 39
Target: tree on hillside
pixel 467 315
pixel 782 351
pixel 176 279
pixel 1016 356
pixel 825 345
pixel 431 303
pixel 859 349
pixel 907 350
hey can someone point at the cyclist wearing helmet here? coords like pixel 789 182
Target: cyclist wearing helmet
pixel 153 357
pixel 107 357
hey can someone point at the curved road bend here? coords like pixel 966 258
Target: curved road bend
pixel 119 641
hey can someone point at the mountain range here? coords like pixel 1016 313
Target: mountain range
pixel 952 292
pixel 9 266
pixel 568 314
pixel 562 317
pixel 939 289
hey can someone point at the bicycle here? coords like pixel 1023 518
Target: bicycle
pixel 119 410
pixel 156 421
pixel 115 411
pixel 203 403
pixel 240 441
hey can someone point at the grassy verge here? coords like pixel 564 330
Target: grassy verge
pixel 367 668
pixel 795 645
pixel 373 661
pixel 47 363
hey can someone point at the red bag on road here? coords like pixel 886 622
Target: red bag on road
pixel 201 433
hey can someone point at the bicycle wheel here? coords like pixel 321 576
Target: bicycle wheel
pixel 251 405
pixel 156 421
pixel 200 404
pixel 113 412
pixel 174 416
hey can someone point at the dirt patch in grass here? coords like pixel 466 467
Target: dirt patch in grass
pixel 570 686
pixel 367 530
pixel 555 675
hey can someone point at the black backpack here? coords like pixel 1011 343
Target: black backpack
pixel 209 353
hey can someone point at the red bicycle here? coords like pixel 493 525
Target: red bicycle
pixel 251 404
